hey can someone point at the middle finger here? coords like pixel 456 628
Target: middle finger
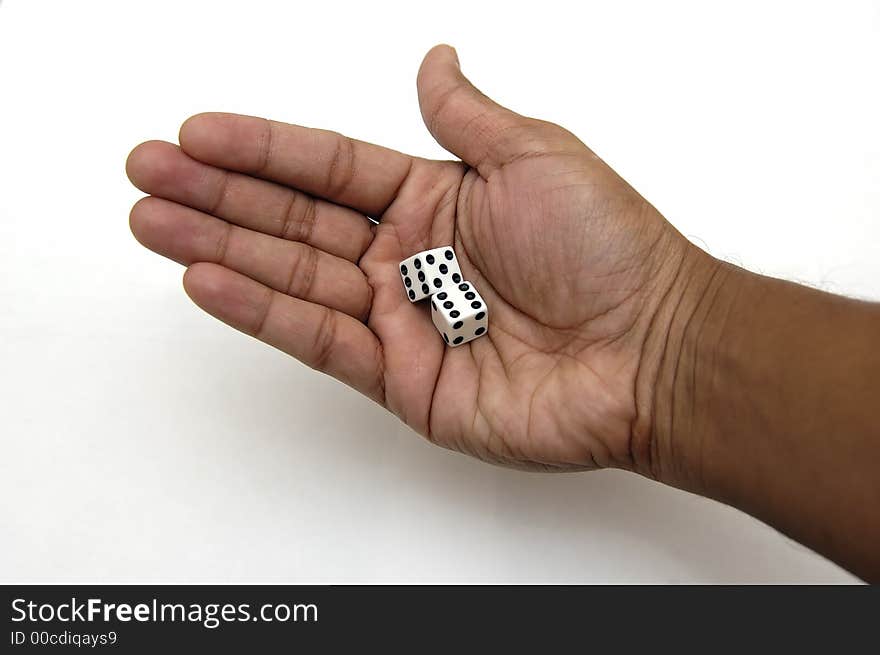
pixel 187 236
pixel 163 169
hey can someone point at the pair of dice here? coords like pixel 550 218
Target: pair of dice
pixel 457 310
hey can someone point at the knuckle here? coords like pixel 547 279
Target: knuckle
pixel 222 246
pixel 341 170
pixel 264 150
pixel 365 311
pixel 300 216
pixel 262 320
pixel 302 272
pixel 325 337
pixel 440 105
pixel 220 193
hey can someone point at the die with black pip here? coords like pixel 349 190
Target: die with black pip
pixel 429 271
pixel 457 310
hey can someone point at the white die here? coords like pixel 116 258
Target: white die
pixel 459 313
pixel 429 271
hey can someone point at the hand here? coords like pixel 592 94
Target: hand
pixel 576 268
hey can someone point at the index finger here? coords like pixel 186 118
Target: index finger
pixel 342 170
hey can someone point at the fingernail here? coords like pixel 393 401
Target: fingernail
pixel 455 54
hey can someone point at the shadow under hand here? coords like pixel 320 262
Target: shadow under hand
pixel 352 495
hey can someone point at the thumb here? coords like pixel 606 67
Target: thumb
pixel 467 123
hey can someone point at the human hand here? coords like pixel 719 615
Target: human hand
pixel 580 274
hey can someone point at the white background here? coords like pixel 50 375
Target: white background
pixel 141 440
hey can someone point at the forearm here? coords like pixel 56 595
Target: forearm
pixel 767 398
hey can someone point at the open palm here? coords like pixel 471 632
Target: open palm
pixel 573 265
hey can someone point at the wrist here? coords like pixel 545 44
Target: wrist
pixel 760 393
pixel 674 387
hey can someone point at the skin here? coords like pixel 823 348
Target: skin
pixel 613 341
